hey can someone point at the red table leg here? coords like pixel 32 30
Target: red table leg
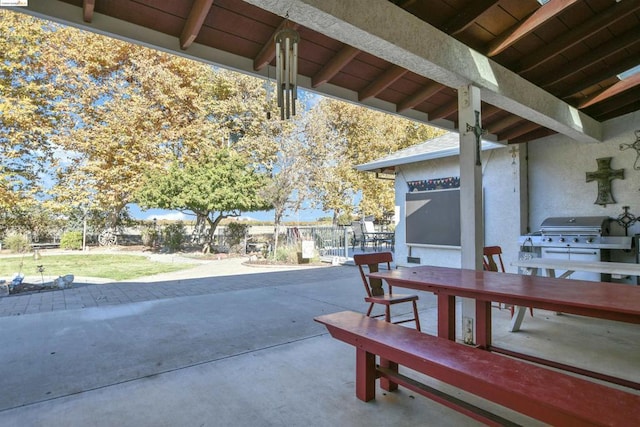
pixel 483 324
pixel 447 316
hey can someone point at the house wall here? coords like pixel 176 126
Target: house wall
pixel 502 198
pixel 557 177
pixel 519 193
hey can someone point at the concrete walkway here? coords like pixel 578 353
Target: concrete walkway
pixel 188 282
pixel 224 344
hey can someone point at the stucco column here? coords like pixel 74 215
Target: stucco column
pixel 472 228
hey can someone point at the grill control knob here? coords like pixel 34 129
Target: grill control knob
pixel 590 240
pixel 562 239
pixel 548 239
pixel 575 240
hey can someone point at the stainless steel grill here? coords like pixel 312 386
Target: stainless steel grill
pixel 577 238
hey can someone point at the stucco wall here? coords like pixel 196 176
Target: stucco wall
pixel 557 177
pixel 502 195
pixel 520 194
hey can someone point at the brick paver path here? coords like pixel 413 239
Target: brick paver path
pixel 206 278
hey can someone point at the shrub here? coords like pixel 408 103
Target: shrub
pixel 235 236
pixel 287 254
pixel 174 236
pixel 149 236
pixel 17 243
pixel 71 240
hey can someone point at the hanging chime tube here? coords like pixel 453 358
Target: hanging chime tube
pixel 287 77
pixel 294 78
pixel 287 71
pixel 279 74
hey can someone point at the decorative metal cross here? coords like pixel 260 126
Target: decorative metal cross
pixel 636 146
pixel 604 175
pixel 478 132
pixel 626 220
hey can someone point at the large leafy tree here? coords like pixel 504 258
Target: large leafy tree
pixel 28 112
pixel 132 109
pixel 218 185
pixel 344 135
pixel 108 111
pixel 94 115
pixel 126 109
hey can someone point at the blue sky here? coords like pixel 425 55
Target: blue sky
pixel 302 215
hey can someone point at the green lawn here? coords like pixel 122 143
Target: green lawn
pixel 117 267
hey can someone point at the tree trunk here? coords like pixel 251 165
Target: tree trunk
pixel 199 229
pixel 213 224
pixel 336 215
pixel 276 220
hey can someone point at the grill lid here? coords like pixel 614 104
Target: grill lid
pixel 595 224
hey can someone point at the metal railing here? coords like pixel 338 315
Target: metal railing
pixel 330 242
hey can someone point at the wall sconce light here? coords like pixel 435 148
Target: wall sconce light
pixel 287 71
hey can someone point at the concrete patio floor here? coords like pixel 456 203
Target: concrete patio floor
pixel 222 344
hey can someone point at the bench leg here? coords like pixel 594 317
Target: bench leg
pixel 385 383
pixel 365 375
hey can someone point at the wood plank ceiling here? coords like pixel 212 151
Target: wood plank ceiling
pixel 574 49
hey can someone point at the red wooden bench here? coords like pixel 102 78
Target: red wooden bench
pixel 538 392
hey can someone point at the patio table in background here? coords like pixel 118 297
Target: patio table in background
pixel 386 237
pixel 570 267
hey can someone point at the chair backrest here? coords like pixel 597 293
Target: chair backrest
pixel 373 286
pixel 357 229
pixel 491 253
pixel 368 227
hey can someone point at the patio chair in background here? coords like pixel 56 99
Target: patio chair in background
pixel 375 290
pixel 386 237
pixel 360 237
pixel 368 227
pixel 490 255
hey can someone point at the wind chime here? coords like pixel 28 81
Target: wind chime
pixel 287 71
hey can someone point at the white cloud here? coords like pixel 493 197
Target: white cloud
pixel 171 216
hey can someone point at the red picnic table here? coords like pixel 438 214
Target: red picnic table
pixel 612 301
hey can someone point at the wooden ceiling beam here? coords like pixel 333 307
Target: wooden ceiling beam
pixel 518 131
pixel 611 91
pixel 503 123
pixel 386 79
pixel 420 96
pixel 335 64
pixel 586 29
pixel 531 136
pixel 529 25
pixel 489 110
pixel 444 110
pixel 601 76
pixel 623 104
pixel 193 24
pixel 405 3
pixel 603 51
pixel 268 51
pixel 629 97
pixel 87 10
pixel 468 16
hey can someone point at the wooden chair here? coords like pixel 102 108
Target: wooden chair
pixel 375 290
pixel 492 258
